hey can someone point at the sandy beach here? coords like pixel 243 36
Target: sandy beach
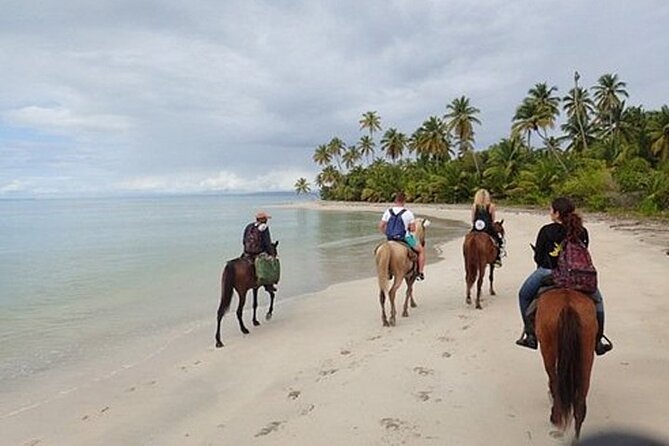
pixel 324 371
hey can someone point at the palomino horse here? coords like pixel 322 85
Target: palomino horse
pixel 392 258
pixel 479 251
pixel 566 326
pixel 239 275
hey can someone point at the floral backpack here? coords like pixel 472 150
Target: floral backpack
pixel 574 267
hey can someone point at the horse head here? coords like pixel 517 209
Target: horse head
pixel 421 226
pixel 272 249
pixel 498 227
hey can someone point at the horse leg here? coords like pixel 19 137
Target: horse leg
pixel 240 310
pixel 393 292
pixel 579 414
pixel 268 316
pixel 469 280
pixel 491 277
pixel 407 296
pixel 255 307
pixel 413 302
pixel 221 311
pixel 382 299
pixel 479 285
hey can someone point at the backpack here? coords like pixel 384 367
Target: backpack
pixel 253 240
pixel 574 268
pixel 395 229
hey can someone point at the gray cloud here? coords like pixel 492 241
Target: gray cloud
pixel 169 95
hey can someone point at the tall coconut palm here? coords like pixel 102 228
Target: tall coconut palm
pixel 460 119
pixel 350 157
pixel 371 121
pixel 322 155
pixel 336 148
pixel 580 136
pixel 608 93
pixel 431 140
pixel 549 105
pixel 579 107
pixel 659 133
pixel 393 143
pixel 302 186
pixel 330 176
pixel 537 112
pixel 366 147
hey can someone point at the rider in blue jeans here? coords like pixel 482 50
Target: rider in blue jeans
pixel 546 251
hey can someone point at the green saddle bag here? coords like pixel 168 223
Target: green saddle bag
pixel 268 269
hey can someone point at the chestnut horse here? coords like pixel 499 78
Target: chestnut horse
pixel 392 259
pixel 239 275
pixel 479 251
pixel 566 327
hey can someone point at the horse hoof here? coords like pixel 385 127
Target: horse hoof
pixel 392 322
pixel 479 307
pixel 405 314
pixel 268 316
pixel 468 301
pixel 245 331
pixel 219 344
pixel 414 304
pixel 492 293
pixel 256 323
pixel 386 324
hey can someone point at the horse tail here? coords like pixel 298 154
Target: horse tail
pixel 382 266
pixel 227 286
pixel 471 256
pixel 569 353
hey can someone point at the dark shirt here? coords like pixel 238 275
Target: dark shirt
pixel 265 238
pixel 547 247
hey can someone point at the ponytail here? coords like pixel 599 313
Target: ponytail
pixel 569 218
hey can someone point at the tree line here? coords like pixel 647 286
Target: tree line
pixel 605 154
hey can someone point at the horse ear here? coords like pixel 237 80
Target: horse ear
pixel 501 222
pixel 276 243
pixel 426 223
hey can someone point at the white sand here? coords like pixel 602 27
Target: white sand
pixel 325 372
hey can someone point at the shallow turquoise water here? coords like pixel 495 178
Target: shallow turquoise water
pixel 75 274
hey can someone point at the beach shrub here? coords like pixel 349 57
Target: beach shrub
pixel 589 186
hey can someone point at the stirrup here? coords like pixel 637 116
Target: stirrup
pixel 601 348
pixel 528 340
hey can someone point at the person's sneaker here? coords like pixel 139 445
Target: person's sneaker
pixel 528 340
pixel 498 263
pixel 601 348
pixel 420 276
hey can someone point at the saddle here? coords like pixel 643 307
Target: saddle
pixel 547 284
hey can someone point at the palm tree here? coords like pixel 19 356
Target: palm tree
pixel 350 157
pixel 608 93
pixel 329 176
pixel 366 147
pixel 580 136
pixel 431 140
pixel 302 186
pixel 659 133
pixel 371 121
pixel 537 112
pixel 504 163
pixel 579 107
pixel 461 118
pixel 336 148
pixel 393 143
pixel 322 155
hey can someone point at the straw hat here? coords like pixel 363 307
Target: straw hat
pixel 262 215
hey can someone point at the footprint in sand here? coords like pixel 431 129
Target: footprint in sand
pixel 445 339
pixel 423 371
pixel 307 410
pixel 271 427
pixel 104 409
pixel 464 327
pixel 393 424
pixel 423 395
pixel 345 352
pixel 374 338
pixel 328 372
pixel 294 394
pixel 85 417
pixel 33 442
pixel 131 389
pixel 446 355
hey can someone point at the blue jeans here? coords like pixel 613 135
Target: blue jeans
pixel 528 291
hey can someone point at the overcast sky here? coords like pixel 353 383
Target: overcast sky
pixel 106 97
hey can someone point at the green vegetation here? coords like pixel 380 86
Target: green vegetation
pixel 605 154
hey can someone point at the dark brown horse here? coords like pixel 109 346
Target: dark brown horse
pixel 239 275
pixel 566 326
pixel 479 251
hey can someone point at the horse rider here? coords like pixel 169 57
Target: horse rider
pixel 257 238
pixel 399 224
pixel 565 223
pixel 483 216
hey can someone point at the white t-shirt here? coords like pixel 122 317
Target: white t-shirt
pixel 407 217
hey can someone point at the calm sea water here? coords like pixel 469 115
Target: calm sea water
pixel 77 274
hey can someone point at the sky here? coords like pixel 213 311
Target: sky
pixel 163 96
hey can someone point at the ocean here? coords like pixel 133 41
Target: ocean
pixel 76 274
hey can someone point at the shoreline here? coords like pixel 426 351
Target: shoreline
pixel 324 371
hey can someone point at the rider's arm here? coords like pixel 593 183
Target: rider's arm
pixel 382 226
pixel 541 247
pixel 473 212
pixel 491 209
